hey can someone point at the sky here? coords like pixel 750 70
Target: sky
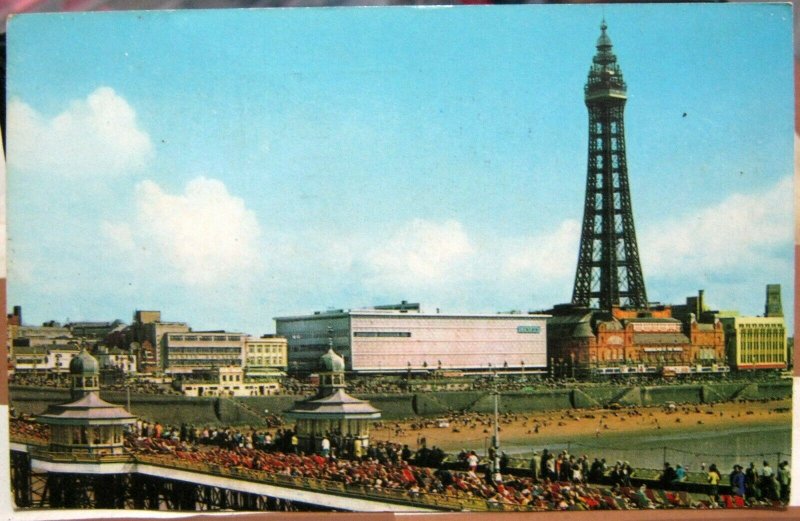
pixel 233 166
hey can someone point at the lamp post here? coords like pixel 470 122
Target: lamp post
pixel 496 437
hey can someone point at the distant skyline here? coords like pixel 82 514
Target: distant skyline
pixel 228 167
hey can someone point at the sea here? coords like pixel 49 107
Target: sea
pixel 692 449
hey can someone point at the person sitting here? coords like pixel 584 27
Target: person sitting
pixel 642 501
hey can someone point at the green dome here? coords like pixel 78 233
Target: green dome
pixel 84 363
pixel 330 362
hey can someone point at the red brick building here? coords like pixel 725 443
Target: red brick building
pixel 583 341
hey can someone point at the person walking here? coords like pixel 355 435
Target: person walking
pixel 784 480
pixel 536 463
pixel 668 476
pixel 738 481
pixel 472 461
pixel 680 474
pixel 767 483
pixel 714 478
pixel 752 490
pixel 326 446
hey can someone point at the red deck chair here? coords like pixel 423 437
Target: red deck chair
pixel 611 502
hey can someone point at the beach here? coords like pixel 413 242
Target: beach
pixel 588 425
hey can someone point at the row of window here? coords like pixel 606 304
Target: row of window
pixel 204 362
pixel 206 338
pixel 265 349
pixel 204 350
pixel 269 360
pixel 322 334
pixel 383 334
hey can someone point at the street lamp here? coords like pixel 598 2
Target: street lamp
pixel 496 437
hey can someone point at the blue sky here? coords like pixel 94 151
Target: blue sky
pixel 228 167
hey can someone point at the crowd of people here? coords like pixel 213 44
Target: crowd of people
pixel 431 380
pixel 553 481
pixel 556 482
pixel 25 428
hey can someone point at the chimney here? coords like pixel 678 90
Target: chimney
pixel 773 306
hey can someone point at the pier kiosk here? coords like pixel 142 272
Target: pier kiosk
pixel 333 413
pixel 88 424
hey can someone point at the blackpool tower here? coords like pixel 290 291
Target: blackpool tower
pixel 609 272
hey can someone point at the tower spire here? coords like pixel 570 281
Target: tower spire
pixel 609 272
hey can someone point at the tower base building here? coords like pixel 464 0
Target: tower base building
pixel 629 342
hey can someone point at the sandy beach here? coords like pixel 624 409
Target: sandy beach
pixel 546 427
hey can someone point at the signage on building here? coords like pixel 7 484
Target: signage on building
pixel 678 369
pixel 656 327
pixel 529 329
pixel 663 349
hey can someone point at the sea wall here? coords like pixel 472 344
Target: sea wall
pixel 251 410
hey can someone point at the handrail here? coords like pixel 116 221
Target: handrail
pixel 27 440
pixel 73 457
pixel 440 501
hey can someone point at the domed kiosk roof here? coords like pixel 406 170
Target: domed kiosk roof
pixel 339 405
pixel 84 363
pixel 88 410
pixel 330 362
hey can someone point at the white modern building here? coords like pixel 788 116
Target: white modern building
pixel 401 338
pixel 224 381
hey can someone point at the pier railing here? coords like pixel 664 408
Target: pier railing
pixel 387 495
pixel 43 453
pixel 397 496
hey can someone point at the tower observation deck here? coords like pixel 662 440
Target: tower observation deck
pixel 609 272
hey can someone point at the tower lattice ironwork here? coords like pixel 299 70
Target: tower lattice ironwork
pixel 609 272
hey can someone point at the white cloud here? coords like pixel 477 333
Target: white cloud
pixel 420 255
pixel 98 135
pixel 744 230
pixel 797 192
pixel 544 257
pixel 205 235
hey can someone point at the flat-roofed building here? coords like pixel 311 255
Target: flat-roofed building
pixel 51 359
pixel 388 339
pixel 266 354
pixel 225 381
pixel 147 333
pixel 755 342
pixel 96 330
pixel 185 352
